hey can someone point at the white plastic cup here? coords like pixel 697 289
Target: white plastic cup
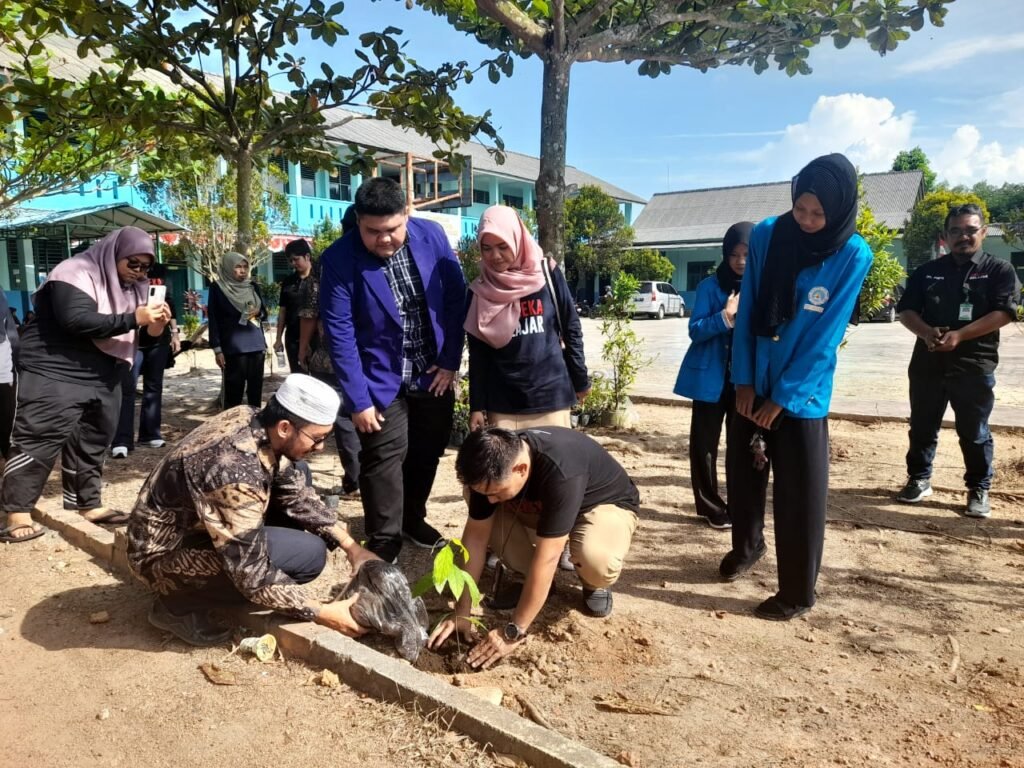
pixel 262 648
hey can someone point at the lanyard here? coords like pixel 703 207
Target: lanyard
pixel 967 277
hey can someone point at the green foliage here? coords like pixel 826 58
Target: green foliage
pixel 324 235
pixel 659 35
pixel 916 160
pixel 1013 228
pixel 926 222
pixel 446 574
pixel 460 417
pixel 220 59
pixel 621 348
pixel 596 234
pixel 204 200
pixel 269 290
pixel 886 271
pixel 1002 201
pixel 468 251
pixel 647 264
pixel 598 401
pixel 191 324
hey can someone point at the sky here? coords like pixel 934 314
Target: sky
pixel 956 91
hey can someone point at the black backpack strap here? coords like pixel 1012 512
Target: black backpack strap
pixel 554 297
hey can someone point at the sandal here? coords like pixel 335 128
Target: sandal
pixel 112 518
pixel 7 537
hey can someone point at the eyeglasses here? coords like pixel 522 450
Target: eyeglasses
pixel 317 441
pixel 139 266
pixel 969 231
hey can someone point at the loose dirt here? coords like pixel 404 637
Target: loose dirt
pixel 913 656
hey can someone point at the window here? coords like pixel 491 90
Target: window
pixel 307 181
pixel 279 174
pixel 513 201
pixel 482 196
pixel 697 271
pixel 1017 259
pixel 339 183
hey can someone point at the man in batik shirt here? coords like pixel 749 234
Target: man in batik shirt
pixel 227 515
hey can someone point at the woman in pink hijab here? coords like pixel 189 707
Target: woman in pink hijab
pixel 526 362
pixel 70 369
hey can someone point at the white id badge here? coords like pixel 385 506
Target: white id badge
pixel 966 311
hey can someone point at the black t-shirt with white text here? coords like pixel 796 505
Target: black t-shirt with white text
pixel 570 474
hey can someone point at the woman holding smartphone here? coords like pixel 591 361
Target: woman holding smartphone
pixel 71 365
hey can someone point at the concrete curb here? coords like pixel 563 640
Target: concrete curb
pixel 366 670
pixel 860 418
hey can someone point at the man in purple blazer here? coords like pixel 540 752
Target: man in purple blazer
pixel 392 303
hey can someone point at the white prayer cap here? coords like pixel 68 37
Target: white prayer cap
pixel 309 399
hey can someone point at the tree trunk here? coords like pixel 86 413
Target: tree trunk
pixel 243 201
pixel 554 119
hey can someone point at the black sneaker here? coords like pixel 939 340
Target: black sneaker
pixel 914 491
pixel 597 602
pixel 423 534
pixel 194 628
pixel 720 521
pixel 774 609
pixel 977 503
pixel 731 567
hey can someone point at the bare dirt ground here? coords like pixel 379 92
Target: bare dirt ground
pixel 913 656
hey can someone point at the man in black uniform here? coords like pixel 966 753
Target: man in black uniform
pixel 530 492
pixel 301 257
pixel 955 305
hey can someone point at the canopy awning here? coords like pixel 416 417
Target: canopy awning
pixel 83 223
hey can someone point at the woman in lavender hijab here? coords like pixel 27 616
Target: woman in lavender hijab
pixel 70 367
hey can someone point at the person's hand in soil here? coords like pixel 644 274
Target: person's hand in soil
pixel 338 616
pixel 492 649
pixel 445 629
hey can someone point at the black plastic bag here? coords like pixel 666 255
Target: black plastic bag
pixel 386 605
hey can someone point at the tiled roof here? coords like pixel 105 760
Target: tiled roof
pixel 703 215
pixel 364 131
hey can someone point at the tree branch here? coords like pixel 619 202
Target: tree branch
pixel 519 23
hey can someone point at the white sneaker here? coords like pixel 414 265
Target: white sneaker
pixel 119 452
pixel 155 443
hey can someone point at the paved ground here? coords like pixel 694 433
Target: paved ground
pixel 871 378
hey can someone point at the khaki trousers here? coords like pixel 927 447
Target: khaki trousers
pixel 598 543
pixel 516 421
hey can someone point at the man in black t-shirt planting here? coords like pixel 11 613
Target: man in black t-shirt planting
pixel 529 492
pixel 955 305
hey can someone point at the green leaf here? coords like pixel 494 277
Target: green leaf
pixel 423 585
pixel 457 581
pixel 474 591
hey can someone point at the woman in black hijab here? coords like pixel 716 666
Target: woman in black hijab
pixel 704 374
pixel 804 273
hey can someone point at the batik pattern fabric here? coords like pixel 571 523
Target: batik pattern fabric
pixel 309 309
pixel 200 515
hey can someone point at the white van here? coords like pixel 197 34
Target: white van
pixel 657 300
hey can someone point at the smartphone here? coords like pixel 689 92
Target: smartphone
pixel 157 295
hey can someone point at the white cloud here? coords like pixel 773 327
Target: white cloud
pixel 964 159
pixel 865 129
pixel 956 53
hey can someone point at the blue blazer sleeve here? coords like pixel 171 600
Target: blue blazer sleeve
pixel 453 283
pixel 800 379
pixel 337 288
pixel 706 322
pixel 743 341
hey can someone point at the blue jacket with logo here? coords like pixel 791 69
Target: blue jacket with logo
pixel 702 374
pixel 795 368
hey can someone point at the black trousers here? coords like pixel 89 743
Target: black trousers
pixel 798 459
pixel 8 407
pixel 403 455
pixel 75 420
pixel 291 347
pixel 346 438
pixel 705 430
pixel 243 375
pixel 150 363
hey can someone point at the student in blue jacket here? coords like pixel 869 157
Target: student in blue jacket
pixel 804 274
pixel 704 375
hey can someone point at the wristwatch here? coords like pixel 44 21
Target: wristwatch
pixel 513 633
